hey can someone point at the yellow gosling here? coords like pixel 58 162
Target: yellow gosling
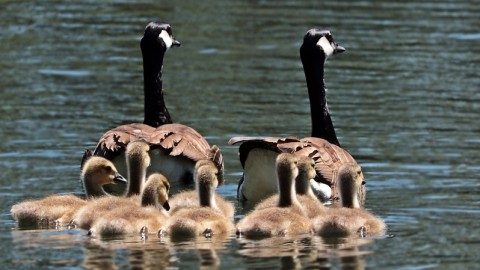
pixel 59 209
pixel 310 203
pixel 350 219
pixel 149 217
pixel 288 217
pixel 206 218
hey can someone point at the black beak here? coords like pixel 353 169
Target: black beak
pixel 119 179
pixel 363 182
pixel 176 43
pixel 166 206
pixel 339 49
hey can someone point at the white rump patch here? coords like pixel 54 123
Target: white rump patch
pixel 166 38
pixel 326 46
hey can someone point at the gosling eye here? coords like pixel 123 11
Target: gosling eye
pixel 108 169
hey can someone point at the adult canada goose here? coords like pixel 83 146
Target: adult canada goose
pixel 288 217
pixel 207 218
pixel 96 172
pixel 350 219
pixel 309 201
pixel 257 154
pixel 206 172
pixel 149 217
pixel 174 147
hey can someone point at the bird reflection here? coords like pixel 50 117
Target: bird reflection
pixel 132 253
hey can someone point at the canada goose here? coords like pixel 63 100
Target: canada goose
pixel 138 160
pixel 206 180
pixel 257 154
pixel 96 172
pixel 207 218
pixel 149 217
pixel 174 147
pixel 306 171
pixel 288 217
pixel 350 219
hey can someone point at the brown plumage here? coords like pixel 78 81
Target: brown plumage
pixel 203 215
pixel 287 217
pixel 351 219
pixel 179 145
pixel 257 154
pixel 148 217
pixel 59 209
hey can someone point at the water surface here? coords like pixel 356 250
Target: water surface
pixel 404 100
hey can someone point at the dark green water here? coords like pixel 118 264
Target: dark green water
pixel 404 98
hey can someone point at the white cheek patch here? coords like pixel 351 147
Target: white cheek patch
pixel 326 46
pixel 166 38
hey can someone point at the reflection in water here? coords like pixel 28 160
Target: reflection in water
pixel 127 252
pixel 295 253
pixel 206 250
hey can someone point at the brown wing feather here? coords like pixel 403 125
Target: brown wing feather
pixel 183 140
pixel 178 139
pixel 115 140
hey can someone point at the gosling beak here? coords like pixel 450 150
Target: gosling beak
pixel 363 182
pixel 338 49
pixel 166 206
pixel 176 43
pixel 119 179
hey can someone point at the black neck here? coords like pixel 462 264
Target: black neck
pixel 156 113
pixel 322 126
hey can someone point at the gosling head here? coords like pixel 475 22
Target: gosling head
pixel 98 171
pixel 137 151
pixel 316 40
pixel 286 168
pixel 206 174
pixel 306 172
pixel 156 191
pixel 350 180
pixel 206 181
pixel 158 37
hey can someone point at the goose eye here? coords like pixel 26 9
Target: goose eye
pixel 108 169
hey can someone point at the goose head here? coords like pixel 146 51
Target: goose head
pixel 321 41
pixel 156 191
pixel 158 37
pixel 138 160
pixel 206 181
pixel 306 172
pixel 350 180
pixel 98 171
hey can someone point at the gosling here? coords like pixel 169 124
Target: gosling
pixel 59 209
pixel 309 201
pixel 350 219
pixel 288 217
pixel 149 217
pixel 206 218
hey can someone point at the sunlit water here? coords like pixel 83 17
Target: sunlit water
pixel 405 102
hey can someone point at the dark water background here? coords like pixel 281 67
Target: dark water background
pixel 405 102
